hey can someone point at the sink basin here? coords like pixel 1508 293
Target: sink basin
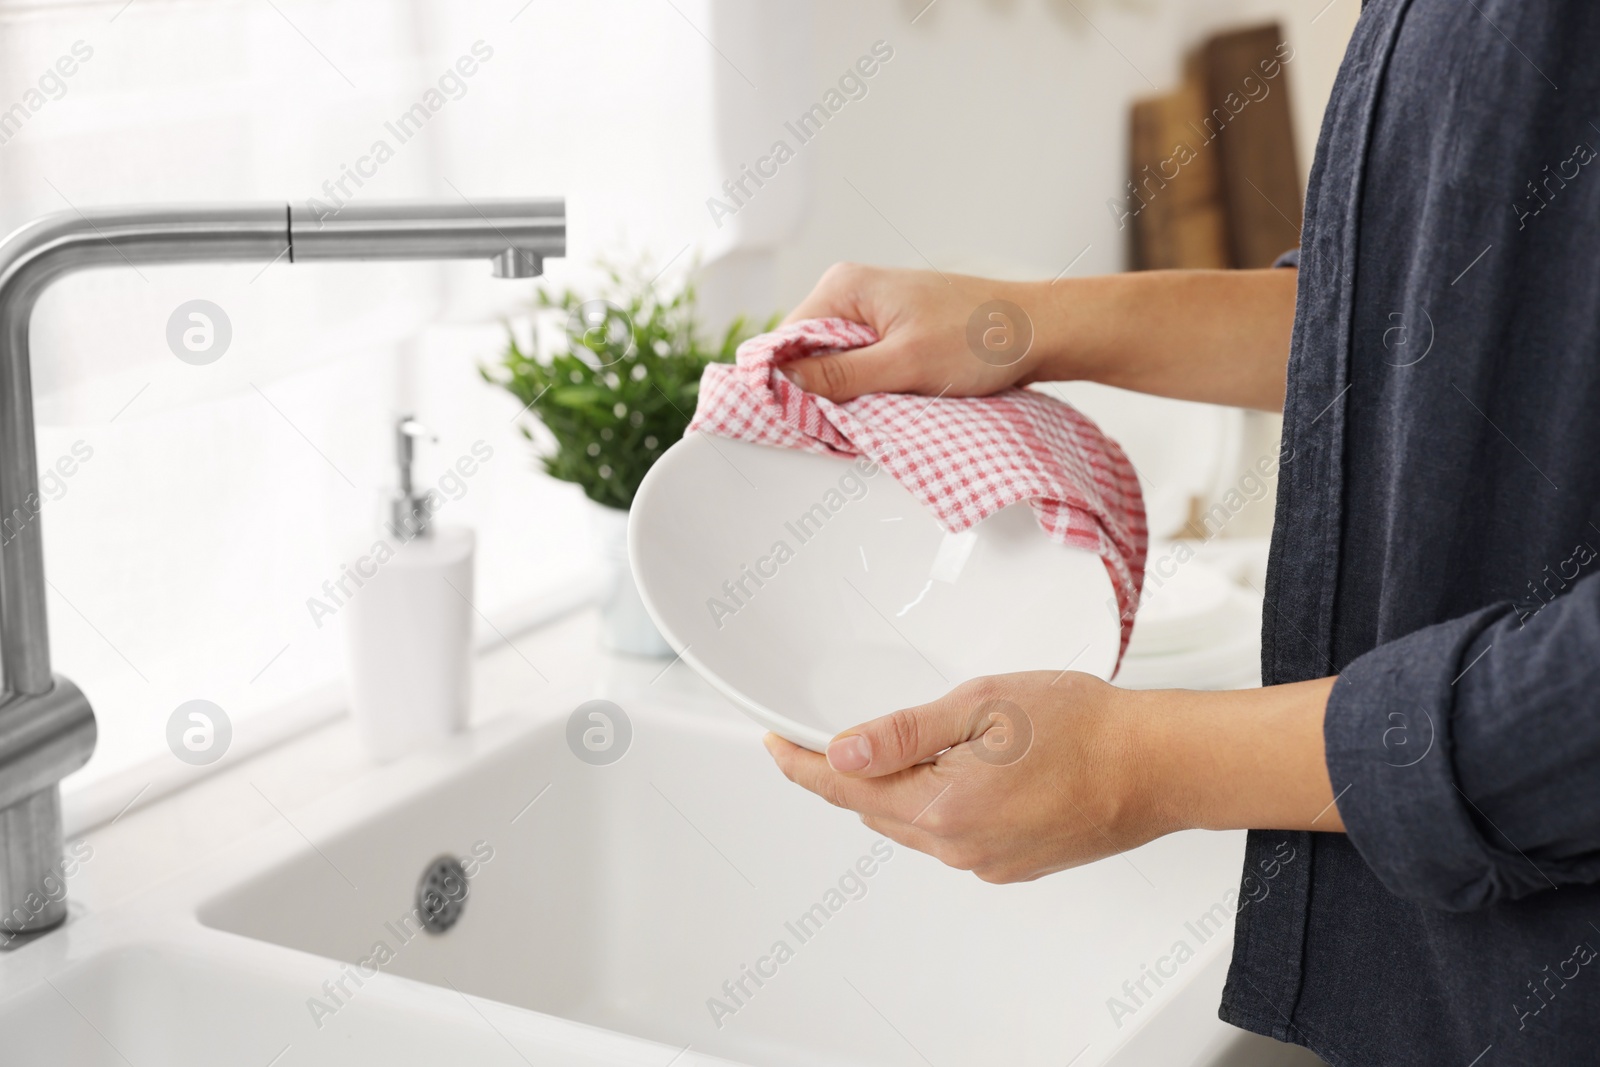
pixel 181 1005
pixel 688 895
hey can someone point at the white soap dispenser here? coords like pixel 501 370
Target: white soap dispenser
pixel 408 627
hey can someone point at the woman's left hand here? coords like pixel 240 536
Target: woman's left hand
pixel 1017 776
pixel 1026 775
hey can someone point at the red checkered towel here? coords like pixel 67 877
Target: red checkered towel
pixel 965 458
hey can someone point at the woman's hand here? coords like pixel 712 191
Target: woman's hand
pixel 1028 774
pixel 922 321
pixel 1217 336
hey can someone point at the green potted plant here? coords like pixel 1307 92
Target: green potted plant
pixel 614 395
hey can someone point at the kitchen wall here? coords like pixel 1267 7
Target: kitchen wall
pixel 990 144
pixel 995 136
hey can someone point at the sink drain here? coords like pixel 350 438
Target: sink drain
pixel 441 894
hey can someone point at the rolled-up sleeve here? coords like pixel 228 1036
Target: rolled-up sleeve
pixel 1466 756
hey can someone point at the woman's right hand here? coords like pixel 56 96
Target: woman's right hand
pixel 923 321
pixel 1217 336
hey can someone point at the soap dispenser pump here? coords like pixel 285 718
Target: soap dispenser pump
pixel 409 514
pixel 409 624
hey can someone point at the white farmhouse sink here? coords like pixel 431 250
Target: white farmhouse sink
pixel 627 895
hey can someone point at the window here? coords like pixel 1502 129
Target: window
pixel 192 511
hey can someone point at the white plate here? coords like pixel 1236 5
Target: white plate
pixel 817 596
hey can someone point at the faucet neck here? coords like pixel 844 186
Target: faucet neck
pixel 47 728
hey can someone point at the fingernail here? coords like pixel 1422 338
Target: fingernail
pixel 793 378
pixel 851 753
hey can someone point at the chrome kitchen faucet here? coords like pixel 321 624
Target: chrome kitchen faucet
pixel 47 729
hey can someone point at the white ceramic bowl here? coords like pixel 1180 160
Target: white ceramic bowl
pixel 817 595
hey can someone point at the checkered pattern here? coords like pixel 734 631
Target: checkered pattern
pixel 965 458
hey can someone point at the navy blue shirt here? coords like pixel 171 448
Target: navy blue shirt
pixel 1438 546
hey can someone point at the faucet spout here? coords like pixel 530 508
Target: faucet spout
pixel 47 728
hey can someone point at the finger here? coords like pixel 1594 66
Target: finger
pixel 902 797
pixel 901 739
pixel 884 367
pixel 780 748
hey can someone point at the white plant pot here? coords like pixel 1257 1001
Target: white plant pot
pixel 624 624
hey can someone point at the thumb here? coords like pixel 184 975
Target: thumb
pixel 901 739
pixel 841 376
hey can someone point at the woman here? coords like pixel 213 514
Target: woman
pixel 1421 771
